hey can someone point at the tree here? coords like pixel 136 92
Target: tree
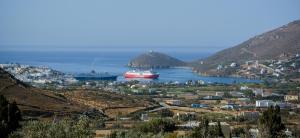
pixel 220 133
pixel 270 123
pixel 204 130
pixel 10 116
pixel 14 115
pixel 215 131
pixel 249 93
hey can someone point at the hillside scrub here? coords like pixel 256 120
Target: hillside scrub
pixel 61 129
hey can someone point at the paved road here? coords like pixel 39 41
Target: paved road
pixel 163 106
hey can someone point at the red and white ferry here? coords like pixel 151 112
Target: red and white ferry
pixel 141 74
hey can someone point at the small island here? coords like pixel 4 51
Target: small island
pixel 153 59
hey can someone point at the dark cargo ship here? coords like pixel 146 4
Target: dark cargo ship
pixel 93 75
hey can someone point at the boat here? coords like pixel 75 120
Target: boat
pixel 93 75
pixel 149 74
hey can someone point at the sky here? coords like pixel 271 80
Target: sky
pixel 203 25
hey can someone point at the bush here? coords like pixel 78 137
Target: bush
pixel 61 129
pixel 157 125
pixel 134 134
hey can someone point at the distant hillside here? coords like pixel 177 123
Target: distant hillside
pixel 274 44
pixel 155 60
pixel 35 102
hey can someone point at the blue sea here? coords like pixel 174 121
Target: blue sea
pixel 112 61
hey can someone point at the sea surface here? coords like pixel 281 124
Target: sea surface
pixel 111 61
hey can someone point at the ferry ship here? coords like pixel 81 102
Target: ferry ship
pixel 141 74
pixel 93 75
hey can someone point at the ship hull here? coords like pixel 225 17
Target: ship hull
pixel 153 76
pixel 109 78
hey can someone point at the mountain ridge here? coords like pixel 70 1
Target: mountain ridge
pixel 270 45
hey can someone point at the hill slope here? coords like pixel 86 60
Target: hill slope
pixel 270 45
pixel 155 60
pixel 35 102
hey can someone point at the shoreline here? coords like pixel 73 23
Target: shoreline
pixel 199 74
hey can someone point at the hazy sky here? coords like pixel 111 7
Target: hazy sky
pixel 95 24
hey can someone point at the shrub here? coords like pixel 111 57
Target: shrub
pixel 135 134
pixel 61 129
pixel 157 125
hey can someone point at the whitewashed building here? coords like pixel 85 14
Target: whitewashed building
pixel 173 102
pixel 264 103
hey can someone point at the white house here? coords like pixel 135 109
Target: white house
pixel 173 102
pixel 249 114
pixel 244 88
pixel 233 64
pixel 219 67
pixel 288 98
pixel 264 103
pixel 227 106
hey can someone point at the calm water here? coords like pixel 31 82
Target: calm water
pixel 113 62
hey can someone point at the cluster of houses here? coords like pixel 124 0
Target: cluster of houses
pixel 261 98
pixel 247 113
pixel 238 103
pixel 37 75
pixel 286 64
pixel 247 105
